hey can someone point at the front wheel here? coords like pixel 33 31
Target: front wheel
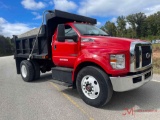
pixel 94 86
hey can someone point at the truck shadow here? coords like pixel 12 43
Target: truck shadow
pixel 44 78
pixel 146 97
pixel 71 92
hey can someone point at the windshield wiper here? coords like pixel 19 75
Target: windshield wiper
pixel 102 35
pixel 97 34
pixel 89 34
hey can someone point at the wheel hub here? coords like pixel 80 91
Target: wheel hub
pixel 24 71
pixel 90 87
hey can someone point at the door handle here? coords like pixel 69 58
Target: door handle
pixel 55 47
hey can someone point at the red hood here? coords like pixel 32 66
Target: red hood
pixel 106 42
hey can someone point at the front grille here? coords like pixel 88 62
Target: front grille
pixel 146 60
pixel 142 55
pixel 137 51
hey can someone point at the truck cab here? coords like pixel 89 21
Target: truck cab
pixel 85 57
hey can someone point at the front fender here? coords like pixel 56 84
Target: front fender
pixel 101 60
pixel 96 59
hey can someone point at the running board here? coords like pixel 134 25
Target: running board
pixel 62 75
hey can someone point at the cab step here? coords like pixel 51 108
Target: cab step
pixel 62 75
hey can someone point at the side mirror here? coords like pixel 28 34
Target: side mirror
pixel 61 33
pixel 74 37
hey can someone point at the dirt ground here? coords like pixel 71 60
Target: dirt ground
pixel 156 58
pixel 156 50
pixel 156 54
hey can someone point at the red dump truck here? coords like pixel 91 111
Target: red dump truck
pixel 83 56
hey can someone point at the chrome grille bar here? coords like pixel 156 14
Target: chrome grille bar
pixel 140 63
pixel 133 58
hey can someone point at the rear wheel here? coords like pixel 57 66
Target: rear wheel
pixel 27 70
pixel 94 86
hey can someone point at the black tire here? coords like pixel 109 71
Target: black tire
pixel 29 70
pixel 104 84
pixel 36 70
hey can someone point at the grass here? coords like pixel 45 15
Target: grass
pixel 156 58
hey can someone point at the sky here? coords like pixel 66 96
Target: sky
pixel 19 16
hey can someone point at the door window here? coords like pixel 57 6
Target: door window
pixel 69 31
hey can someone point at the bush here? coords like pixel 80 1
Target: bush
pixel 6 47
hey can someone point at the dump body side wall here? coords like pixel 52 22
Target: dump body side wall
pixel 23 47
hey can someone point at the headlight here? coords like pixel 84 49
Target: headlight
pixel 117 61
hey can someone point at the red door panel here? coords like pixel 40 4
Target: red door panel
pixel 64 53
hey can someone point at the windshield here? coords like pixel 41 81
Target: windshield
pixel 86 29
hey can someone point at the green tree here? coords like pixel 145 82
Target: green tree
pixel 141 26
pixel 136 21
pixel 110 28
pixel 153 24
pixel 121 26
pixel 6 47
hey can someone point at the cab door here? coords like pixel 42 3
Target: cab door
pixel 65 53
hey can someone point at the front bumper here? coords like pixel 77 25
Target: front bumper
pixel 127 83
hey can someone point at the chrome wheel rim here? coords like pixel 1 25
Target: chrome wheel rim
pixel 90 87
pixel 24 71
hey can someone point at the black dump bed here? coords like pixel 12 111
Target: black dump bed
pixel 24 43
